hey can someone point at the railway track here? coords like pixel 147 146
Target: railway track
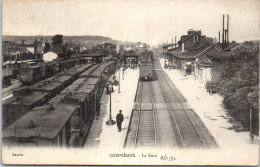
pixel 188 135
pixel 146 126
pixel 162 118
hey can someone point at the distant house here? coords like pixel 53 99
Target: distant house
pixel 60 51
pixel 47 47
pixel 189 56
pixel 190 46
pixel 121 49
pixel 218 59
pixel 106 48
pixel 191 39
pixel 17 51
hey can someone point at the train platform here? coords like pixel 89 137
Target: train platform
pixel 103 136
pixel 211 111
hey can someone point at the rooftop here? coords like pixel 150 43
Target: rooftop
pixel 47 85
pixel 48 123
pixel 231 50
pixel 89 71
pixel 27 99
pixel 94 54
pixel 101 68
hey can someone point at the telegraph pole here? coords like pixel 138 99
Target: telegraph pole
pixel 119 80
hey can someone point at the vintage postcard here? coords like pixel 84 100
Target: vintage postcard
pixel 130 82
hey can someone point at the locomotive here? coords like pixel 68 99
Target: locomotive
pixel 146 65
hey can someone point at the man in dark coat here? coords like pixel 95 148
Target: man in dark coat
pixel 119 120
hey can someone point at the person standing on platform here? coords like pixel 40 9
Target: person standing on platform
pixel 119 120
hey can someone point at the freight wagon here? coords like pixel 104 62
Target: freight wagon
pixel 28 97
pixel 65 120
pixel 29 74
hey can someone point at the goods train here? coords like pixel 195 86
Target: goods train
pixel 146 65
pixel 29 74
pixel 10 70
pixel 64 121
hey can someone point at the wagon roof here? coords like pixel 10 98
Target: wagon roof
pixel 79 81
pixel 71 73
pixel 56 99
pixel 81 96
pixel 9 100
pixel 90 70
pixel 92 81
pixel 101 68
pixel 70 88
pixel 77 69
pixel 84 67
pixel 46 86
pixel 86 89
pixel 48 123
pixel 94 54
pixel 31 67
pixel 28 99
pixel 63 78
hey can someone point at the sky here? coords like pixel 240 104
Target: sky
pixel 153 21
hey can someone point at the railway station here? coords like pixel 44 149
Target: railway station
pixel 130 82
pixel 83 98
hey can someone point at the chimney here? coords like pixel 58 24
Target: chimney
pixel 227 28
pixel 35 48
pixel 225 36
pixel 182 47
pixel 172 43
pixel 175 41
pixel 223 30
pixel 219 37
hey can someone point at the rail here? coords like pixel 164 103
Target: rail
pixel 139 114
pixel 181 103
pixel 169 106
pixel 147 137
pixel 154 121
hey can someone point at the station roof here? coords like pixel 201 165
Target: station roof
pixel 48 122
pixel 228 52
pixel 194 51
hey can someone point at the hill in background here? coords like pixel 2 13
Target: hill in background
pixel 86 40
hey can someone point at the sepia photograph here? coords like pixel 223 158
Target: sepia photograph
pixel 130 82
